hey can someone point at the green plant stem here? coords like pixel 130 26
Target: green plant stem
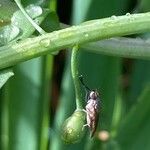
pixel 75 76
pixel 37 27
pixel 86 32
pixel 121 47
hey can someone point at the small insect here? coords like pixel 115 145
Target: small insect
pixel 92 108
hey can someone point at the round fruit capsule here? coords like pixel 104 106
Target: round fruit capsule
pixel 72 130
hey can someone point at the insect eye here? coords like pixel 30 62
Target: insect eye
pixel 93 95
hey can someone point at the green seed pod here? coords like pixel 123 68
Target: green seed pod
pixel 72 130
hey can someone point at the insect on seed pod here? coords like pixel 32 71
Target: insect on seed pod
pixel 92 108
pixel 72 128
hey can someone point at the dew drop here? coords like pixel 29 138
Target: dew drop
pixel 113 17
pixel 86 35
pixel 34 10
pixel 9 33
pixel 1 35
pixel 128 14
pixel 15 31
pixel 45 43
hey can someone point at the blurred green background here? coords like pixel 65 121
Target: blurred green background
pixel 40 96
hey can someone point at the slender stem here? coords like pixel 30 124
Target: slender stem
pixel 86 32
pixel 75 76
pixel 121 47
pixel 37 27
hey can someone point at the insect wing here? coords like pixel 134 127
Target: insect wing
pixel 95 119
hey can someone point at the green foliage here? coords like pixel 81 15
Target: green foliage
pixel 133 132
pixel 4 76
pixel 123 84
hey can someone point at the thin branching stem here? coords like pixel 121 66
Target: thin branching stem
pixel 75 76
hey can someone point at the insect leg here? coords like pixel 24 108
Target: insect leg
pixel 85 86
pixel 85 126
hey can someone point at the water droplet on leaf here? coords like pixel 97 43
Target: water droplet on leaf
pixel 45 43
pixel 9 33
pixel 86 35
pixel 34 10
pixel 113 17
pixel 128 14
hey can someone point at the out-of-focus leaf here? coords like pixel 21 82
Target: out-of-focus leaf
pixel 26 28
pixel 140 77
pixel 25 106
pixel 47 67
pixel 134 131
pixel 7 8
pixel 66 99
pixel 51 22
pixel 4 76
pixel 28 94
pixel 36 2
pixel 141 69
pixel 20 27
pixel 28 109
pixel 145 5
pixel 8 33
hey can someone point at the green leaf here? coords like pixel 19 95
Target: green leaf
pixel 19 20
pixel 8 33
pixel 7 8
pixel 144 5
pixel 25 106
pixel 140 68
pixel 134 131
pixel 4 76
pixel 20 27
pixel 29 109
pixel 28 115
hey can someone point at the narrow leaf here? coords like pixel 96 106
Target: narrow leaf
pixel 134 131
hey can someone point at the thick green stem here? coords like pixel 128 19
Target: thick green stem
pixel 75 76
pixel 86 32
